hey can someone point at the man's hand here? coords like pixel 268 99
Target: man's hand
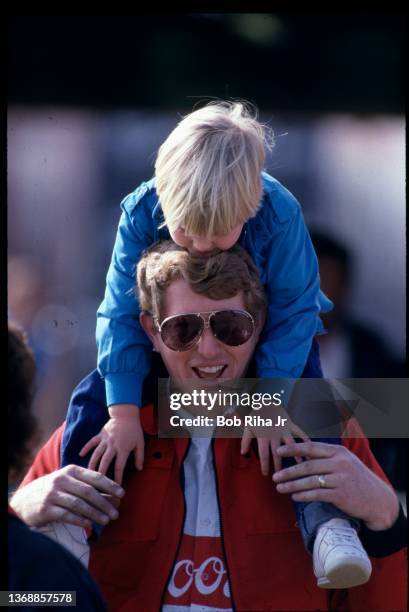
pixel 72 494
pixel 348 483
pixel 121 435
pixel 271 439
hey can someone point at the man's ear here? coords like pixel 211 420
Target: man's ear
pixel 148 326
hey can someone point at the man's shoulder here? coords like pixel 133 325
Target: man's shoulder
pixel 47 459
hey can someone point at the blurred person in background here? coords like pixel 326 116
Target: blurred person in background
pixel 28 301
pixel 27 294
pixel 35 562
pixel 352 349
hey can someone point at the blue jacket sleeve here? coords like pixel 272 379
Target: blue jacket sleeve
pixel 294 299
pixel 88 412
pixel 124 350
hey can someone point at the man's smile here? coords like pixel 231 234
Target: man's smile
pixel 209 372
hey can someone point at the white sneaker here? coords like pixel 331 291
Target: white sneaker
pixel 70 536
pixel 340 561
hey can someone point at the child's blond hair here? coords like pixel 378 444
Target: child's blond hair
pixel 208 169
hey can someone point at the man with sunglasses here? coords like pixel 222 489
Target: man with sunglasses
pixel 200 526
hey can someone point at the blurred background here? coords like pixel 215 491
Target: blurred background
pixel 90 100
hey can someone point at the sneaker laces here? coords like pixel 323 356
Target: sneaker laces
pixel 339 536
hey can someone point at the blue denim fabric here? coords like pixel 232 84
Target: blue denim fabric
pixel 310 515
pixel 86 416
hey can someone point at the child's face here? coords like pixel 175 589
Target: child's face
pixel 206 246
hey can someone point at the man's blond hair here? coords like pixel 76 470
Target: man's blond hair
pixel 208 169
pixel 218 277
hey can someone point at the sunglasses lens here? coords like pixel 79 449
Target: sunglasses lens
pixel 232 327
pixel 180 333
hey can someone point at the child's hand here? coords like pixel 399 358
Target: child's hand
pixel 121 435
pixel 282 434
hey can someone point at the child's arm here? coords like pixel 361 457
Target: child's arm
pixel 294 300
pixel 290 274
pixel 124 350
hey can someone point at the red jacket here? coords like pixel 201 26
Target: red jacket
pixel 268 567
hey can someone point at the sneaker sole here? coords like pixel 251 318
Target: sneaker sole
pixel 345 577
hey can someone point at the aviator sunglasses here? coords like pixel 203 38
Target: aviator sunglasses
pixel 182 332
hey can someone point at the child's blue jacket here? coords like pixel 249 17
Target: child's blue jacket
pixel 279 243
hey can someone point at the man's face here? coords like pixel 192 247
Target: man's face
pixel 209 359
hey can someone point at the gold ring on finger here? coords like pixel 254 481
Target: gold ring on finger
pixel 322 482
